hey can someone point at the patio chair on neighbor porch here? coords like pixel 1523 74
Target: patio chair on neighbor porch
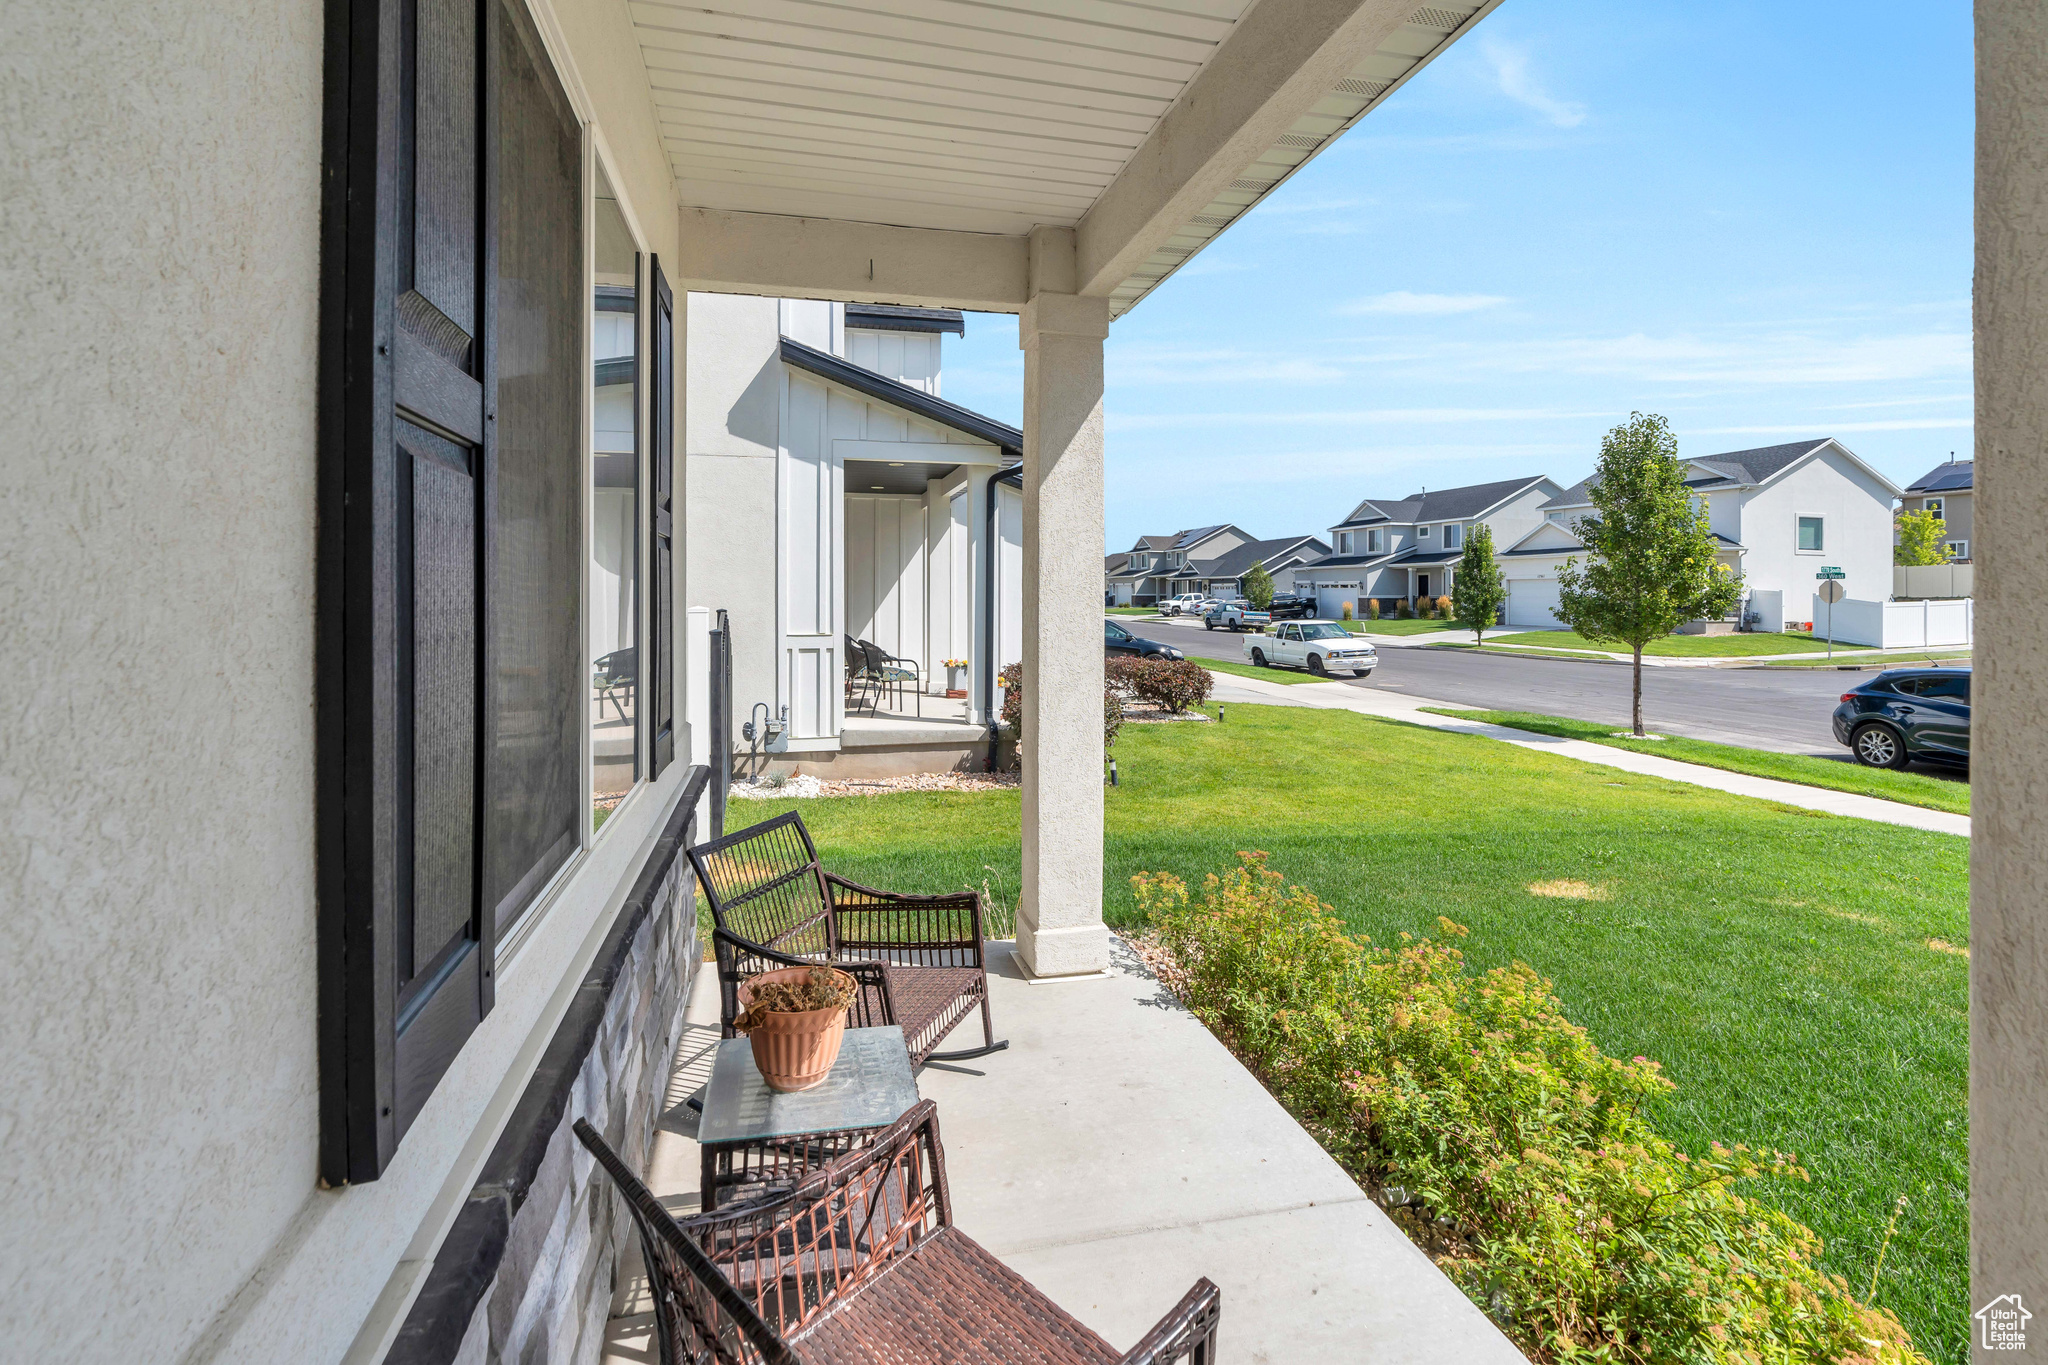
pixel 861 1263
pixel 886 670
pixel 918 959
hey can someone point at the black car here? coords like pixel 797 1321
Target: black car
pixel 1288 605
pixel 1117 640
pixel 1905 714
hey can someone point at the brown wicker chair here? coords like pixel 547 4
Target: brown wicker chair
pixel 918 958
pixel 774 1282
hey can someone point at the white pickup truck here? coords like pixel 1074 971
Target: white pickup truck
pixel 1318 646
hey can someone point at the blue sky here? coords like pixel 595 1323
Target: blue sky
pixel 1754 219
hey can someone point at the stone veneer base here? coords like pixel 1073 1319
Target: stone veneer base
pixel 525 1273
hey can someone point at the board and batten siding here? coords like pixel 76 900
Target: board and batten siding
pixel 886 572
pixel 909 357
pixel 823 426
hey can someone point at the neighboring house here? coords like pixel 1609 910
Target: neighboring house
pixel 1398 549
pixel 886 502
pixel 1780 513
pixel 1948 491
pixel 1207 559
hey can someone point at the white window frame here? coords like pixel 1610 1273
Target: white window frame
pixel 1799 525
pixel 1454 537
pixel 1422 532
pixel 1933 505
pixel 1376 541
pixel 1343 542
pixel 1958 549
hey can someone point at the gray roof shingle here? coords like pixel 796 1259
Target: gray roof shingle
pixel 1734 466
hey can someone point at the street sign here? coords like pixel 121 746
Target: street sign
pixel 1830 571
pixel 1832 591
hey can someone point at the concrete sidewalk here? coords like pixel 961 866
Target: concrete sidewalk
pixel 1116 1153
pixel 1335 696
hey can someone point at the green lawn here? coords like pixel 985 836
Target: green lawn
pixel 1387 626
pixel 1777 961
pixel 1913 788
pixel 1679 646
pixel 1132 611
pixel 1906 660
pixel 1252 670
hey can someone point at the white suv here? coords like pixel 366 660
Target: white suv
pixel 1186 604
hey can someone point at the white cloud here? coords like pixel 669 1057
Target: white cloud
pixel 1405 304
pixel 1831 428
pixel 1511 69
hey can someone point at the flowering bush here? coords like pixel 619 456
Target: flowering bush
pixel 1504 1142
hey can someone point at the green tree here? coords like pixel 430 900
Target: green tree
pixel 1921 539
pixel 1651 563
pixel 1481 591
pixel 1258 586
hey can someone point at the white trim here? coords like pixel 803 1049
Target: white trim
pixel 1799 520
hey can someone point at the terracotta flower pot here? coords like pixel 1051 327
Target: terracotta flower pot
pixel 794 1051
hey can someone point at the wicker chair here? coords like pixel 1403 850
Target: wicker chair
pixel 918 959
pixel 861 1264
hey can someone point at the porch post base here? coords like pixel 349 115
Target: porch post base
pixel 1080 951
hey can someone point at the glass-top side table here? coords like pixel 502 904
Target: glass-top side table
pixel 751 1135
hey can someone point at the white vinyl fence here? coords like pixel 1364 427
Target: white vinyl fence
pixel 1926 624
pixel 1934 580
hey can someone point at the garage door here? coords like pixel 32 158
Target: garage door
pixel 1532 602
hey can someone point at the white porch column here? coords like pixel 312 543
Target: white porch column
pixel 1059 915
pixel 2009 817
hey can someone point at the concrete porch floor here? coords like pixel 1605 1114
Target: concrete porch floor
pixel 1115 1153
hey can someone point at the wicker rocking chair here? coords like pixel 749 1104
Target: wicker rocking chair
pixel 918 959
pixel 860 1265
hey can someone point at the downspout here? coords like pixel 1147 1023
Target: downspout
pixel 1014 477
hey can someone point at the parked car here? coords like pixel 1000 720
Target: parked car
pixel 1907 713
pixel 1187 604
pixel 1238 615
pixel 1318 646
pixel 1117 640
pixel 1291 606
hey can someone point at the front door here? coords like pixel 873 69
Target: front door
pixel 1422 585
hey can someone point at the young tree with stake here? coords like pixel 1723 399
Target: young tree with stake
pixel 1258 586
pixel 1651 562
pixel 1481 591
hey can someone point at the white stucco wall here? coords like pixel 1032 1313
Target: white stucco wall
pixel 1857 510
pixel 159 269
pixel 732 425
pixel 158 305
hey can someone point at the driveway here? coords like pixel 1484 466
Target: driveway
pixel 1785 709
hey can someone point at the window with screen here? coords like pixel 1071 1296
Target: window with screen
pixel 1812 540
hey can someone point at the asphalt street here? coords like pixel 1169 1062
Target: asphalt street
pixel 1785 709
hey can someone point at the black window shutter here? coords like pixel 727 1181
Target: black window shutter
pixel 411 543
pixel 661 593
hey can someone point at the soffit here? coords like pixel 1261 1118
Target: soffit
pixel 951 114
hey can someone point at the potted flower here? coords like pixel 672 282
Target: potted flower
pixel 956 677
pixel 795 1018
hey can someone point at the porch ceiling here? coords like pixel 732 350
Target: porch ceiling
pixel 1148 128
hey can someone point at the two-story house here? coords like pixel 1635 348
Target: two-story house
pixel 1208 559
pixel 1948 491
pixel 1779 513
pixel 1391 550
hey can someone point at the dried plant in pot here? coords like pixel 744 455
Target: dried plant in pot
pixel 795 1018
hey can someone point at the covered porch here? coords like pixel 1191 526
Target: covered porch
pixel 1112 1177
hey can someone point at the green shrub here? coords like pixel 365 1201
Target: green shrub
pixel 1347 611
pixel 1372 608
pixel 1505 1143
pixel 1114 690
pixel 1404 610
pixel 1171 684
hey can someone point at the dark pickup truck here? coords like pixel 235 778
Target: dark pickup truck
pixel 1291 606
